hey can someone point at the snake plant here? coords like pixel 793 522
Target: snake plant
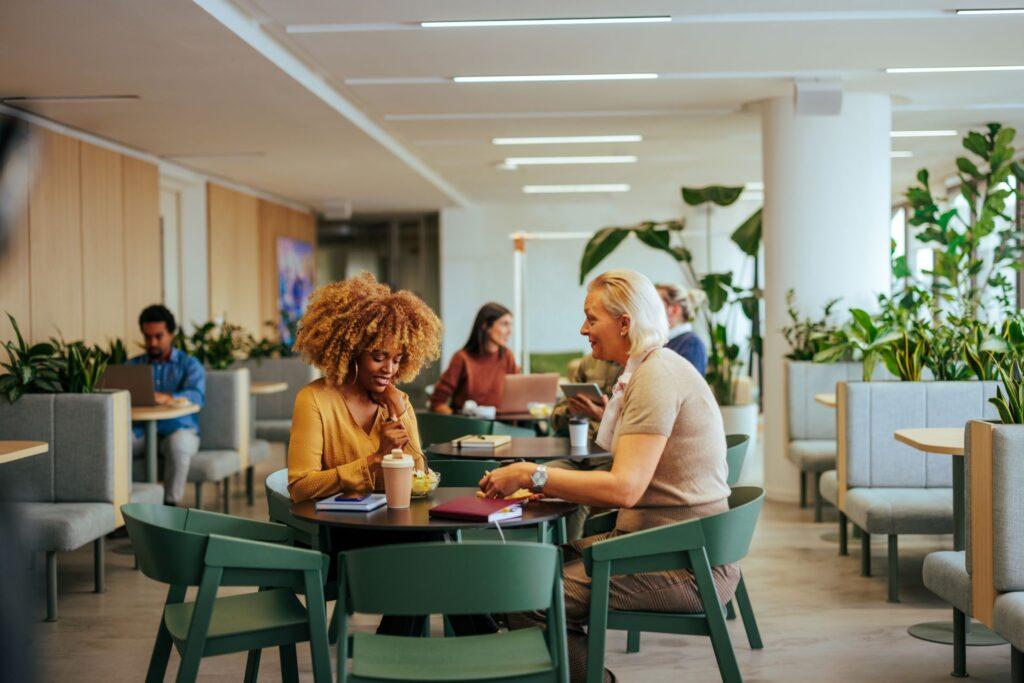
pixel 1010 405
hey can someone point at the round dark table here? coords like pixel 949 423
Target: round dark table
pixel 525 448
pixel 416 517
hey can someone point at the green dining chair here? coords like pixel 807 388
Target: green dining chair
pixel 697 545
pixel 466 578
pixel 437 428
pixel 513 431
pixel 279 509
pixel 183 548
pixel 735 455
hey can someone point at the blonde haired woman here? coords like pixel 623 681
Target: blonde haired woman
pixel 665 432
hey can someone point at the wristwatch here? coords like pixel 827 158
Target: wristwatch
pixel 539 478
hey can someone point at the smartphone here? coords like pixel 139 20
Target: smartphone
pixel 342 498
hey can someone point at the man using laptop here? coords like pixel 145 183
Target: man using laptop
pixel 176 375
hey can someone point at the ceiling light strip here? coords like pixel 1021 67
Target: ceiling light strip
pixel 1008 10
pixel 898 154
pixel 69 99
pixel 554 161
pixel 949 69
pixel 567 114
pixel 574 189
pixel 538 78
pixel 922 133
pixel 567 139
pixel 250 31
pixel 485 23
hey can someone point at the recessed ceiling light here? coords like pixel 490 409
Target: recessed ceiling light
pixel 513 162
pixel 70 99
pixel 1008 10
pixel 560 189
pixel 546 22
pixel 566 139
pixel 554 77
pixel 922 133
pixel 949 69
pixel 900 154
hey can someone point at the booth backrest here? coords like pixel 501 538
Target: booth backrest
pixel 295 371
pixel 808 419
pixel 224 418
pixel 875 410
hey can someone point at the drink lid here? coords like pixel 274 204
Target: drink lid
pixel 396 459
pixel 576 420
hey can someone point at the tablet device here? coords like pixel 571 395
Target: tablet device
pixel 590 390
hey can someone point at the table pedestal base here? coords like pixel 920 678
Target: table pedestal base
pixel 979 635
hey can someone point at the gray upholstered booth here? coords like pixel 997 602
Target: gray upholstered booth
pixel 995 551
pixel 67 496
pixel 223 431
pixel 274 411
pixel 811 440
pixel 886 487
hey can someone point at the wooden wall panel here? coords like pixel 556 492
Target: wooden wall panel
pixel 14 269
pixel 143 244
pixel 55 238
pixel 103 278
pixel 233 253
pixel 275 220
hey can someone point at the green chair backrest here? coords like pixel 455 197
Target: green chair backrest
pixel 279 509
pixel 512 430
pixel 462 472
pixel 735 454
pixel 437 428
pixel 728 534
pixel 465 578
pixel 165 550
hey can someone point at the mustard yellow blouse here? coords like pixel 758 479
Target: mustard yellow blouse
pixel 328 449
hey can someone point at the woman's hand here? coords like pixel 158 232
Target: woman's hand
pixel 588 407
pixel 392 436
pixel 505 481
pixel 392 399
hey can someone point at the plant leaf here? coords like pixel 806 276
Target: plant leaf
pixel 598 248
pixel 717 194
pixel 748 235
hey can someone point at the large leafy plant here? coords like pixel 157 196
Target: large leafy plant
pixel 805 335
pixel 1010 404
pixel 862 336
pixel 216 346
pixel 29 369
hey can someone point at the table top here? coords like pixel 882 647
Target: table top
pixel 416 517
pixel 941 440
pixel 521 448
pixel 827 400
pixel 168 412
pixel 262 388
pixel 16 450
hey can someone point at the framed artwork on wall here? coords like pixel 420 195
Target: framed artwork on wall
pixel 295 276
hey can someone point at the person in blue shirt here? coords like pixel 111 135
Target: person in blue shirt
pixel 681 310
pixel 176 375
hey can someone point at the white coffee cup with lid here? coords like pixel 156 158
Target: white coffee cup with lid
pixel 398 469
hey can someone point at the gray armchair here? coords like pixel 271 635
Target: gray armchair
pixel 223 431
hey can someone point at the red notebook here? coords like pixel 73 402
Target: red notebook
pixel 475 509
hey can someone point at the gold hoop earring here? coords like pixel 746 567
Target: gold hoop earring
pixel 354 373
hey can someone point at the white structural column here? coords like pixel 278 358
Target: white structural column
pixel 826 233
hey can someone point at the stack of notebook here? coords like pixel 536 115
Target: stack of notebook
pixel 482 441
pixel 348 502
pixel 475 509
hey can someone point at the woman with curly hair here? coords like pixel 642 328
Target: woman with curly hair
pixel 477 370
pixel 365 339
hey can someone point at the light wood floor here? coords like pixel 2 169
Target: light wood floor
pixel 819 619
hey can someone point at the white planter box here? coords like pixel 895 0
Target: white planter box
pixel 742 419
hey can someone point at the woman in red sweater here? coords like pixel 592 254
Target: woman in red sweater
pixel 477 371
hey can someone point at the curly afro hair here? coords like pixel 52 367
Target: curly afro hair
pixel 346 318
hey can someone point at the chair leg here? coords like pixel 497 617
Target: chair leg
pixel 199 495
pixel 865 553
pixel 1016 665
pixel 843 542
pixel 51 586
pixel 598 623
pixel 449 631
pixel 959 644
pixel 161 655
pixel 249 497
pixel 99 572
pixel 894 569
pixel 227 493
pixel 730 611
pixel 633 642
pixel 289 664
pixel 252 666
pixel 803 489
pixel 747 612
pixel 817 497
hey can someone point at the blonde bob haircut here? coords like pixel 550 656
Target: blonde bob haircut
pixel 627 292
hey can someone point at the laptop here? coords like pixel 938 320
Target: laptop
pixel 521 390
pixel 136 379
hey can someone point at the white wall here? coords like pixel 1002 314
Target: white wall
pixel 476 261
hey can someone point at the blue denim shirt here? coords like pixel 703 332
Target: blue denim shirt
pixel 180 376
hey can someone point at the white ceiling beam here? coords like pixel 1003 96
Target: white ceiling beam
pixel 252 33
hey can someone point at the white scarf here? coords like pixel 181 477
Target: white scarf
pixel 612 411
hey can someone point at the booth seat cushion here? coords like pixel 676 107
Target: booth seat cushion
pixel 828 485
pixel 143 492
pixel 813 455
pixel 63 527
pixel 1009 618
pixel 901 510
pixel 259 450
pixel 213 465
pixel 945 574
pixel 274 430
